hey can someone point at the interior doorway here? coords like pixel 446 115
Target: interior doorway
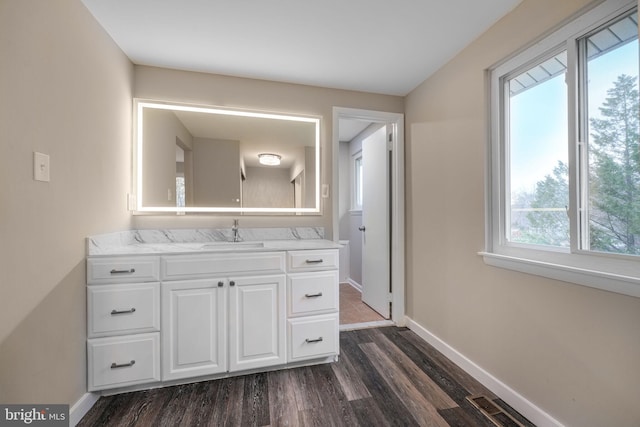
pixel 368 154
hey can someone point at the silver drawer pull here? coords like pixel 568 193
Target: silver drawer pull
pixel 114 312
pixel 319 294
pixel 312 341
pixel 131 270
pixel 314 261
pixel 123 365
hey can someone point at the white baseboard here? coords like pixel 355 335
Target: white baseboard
pixel 533 413
pixel 81 407
pixel 365 325
pixel 355 284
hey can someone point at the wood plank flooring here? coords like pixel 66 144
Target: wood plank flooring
pixel 385 377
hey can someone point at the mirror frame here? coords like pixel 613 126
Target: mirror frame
pixel 138 161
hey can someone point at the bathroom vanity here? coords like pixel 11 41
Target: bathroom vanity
pixel 173 306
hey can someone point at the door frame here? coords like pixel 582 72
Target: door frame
pixel 397 199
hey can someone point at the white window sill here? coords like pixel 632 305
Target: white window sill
pixel 608 281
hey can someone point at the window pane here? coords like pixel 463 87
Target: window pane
pixel 180 192
pixel 358 183
pixel 612 199
pixel 537 155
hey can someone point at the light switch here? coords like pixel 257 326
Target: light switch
pixel 40 167
pixel 325 191
pixel 131 202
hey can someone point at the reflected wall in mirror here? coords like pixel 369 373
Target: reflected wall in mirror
pixel 207 159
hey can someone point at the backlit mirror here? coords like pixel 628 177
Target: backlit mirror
pixel 206 159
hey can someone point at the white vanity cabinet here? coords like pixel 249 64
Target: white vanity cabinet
pixel 312 304
pixel 233 321
pixel 167 318
pixel 123 320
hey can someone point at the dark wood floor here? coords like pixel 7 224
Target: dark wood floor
pixel 385 377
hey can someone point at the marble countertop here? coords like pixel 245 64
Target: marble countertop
pixel 166 242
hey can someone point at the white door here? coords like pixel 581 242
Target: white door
pixel 256 322
pixel 376 222
pixel 194 328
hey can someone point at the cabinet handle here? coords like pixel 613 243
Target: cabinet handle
pixel 314 261
pixel 131 270
pixel 220 284
pixel 319 294
pixel 312 341
pixel 122 365
pixel 114 312
pixel 232 283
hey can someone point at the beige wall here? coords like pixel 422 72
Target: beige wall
pixel 208 89
pixel 267 188
pixel 216 172
pixel 162 130
pixel 66 92
pixel 571 350
pixel 308 191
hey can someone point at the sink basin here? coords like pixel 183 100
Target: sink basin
pixel 229 246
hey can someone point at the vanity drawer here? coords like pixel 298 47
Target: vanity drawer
pixel 201 266
pixel 313 337
pixel 123 309
pixel 123 361
pixel 122 269
pixel 312 293
pixel 313 260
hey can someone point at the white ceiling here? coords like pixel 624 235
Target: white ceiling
pixel 349 129
pixel 378 46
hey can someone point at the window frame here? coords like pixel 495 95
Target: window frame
pixel 611 272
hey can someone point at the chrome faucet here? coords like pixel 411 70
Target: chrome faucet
pixel 236 237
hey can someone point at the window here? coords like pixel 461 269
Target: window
pixel 611 166
pixel 538 193
pixel 565 158
pixel 357 181
pixel 180 192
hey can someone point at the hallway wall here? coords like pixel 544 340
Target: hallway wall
pixel 66 92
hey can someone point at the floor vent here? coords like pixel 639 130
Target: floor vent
pixel 493 412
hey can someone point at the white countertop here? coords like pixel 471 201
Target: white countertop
pixel 168 242
pixel 217 247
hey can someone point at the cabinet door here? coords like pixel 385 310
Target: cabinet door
pixel 257 322
pixel 193 328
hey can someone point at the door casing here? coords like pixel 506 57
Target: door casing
pixel 397 197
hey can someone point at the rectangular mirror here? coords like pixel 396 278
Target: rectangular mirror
pixel 191 158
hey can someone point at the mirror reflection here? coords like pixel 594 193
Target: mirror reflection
pixel 202 159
